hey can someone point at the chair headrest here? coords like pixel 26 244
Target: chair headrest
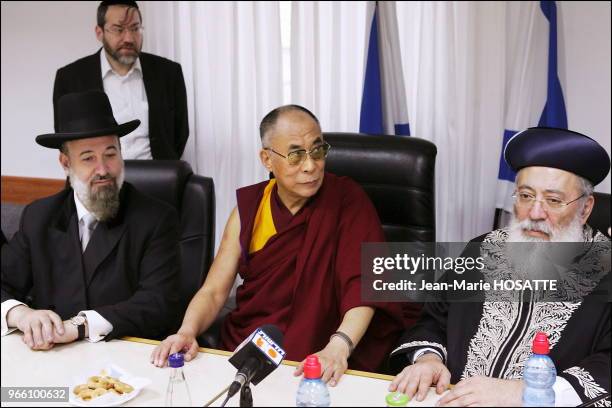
pixel 162 179
pixel 397 173
pixel 394 160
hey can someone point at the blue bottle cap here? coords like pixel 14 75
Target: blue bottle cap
pixel 176 360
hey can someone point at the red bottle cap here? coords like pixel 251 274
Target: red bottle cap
pixel 312 367
pixel 540 344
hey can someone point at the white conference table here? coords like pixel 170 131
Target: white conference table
pixel 207 375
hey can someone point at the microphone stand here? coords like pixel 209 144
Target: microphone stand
pixel 216 397
pixel 246 397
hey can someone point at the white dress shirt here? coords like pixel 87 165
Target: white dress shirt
pixel 128 99
pixel 98 326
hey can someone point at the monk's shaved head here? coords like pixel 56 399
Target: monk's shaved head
pixel 269 121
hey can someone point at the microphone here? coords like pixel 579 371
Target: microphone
pixel 256 357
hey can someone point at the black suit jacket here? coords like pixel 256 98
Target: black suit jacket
pixel 166 95
pixel 128 272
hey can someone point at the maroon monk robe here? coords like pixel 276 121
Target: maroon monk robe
pixel 307 276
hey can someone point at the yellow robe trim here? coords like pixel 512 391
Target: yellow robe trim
pixel 263 228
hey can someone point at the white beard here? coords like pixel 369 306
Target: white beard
pixel 534 260
pixel 570 233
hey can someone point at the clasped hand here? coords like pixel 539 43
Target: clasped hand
pixel 42 329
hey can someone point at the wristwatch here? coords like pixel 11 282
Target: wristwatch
pixel 79 321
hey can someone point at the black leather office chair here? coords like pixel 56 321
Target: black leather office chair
pixel 600 217
pixel 193 196
pixel 397 173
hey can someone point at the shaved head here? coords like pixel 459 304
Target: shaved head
pixel 270 120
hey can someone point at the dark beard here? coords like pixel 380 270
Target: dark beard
pixel 123 60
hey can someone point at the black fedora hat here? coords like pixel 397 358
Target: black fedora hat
pixel 558 148
pixel 82 115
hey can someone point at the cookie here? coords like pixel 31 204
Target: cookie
pixel 86 395
pixel 77 390
pixel 123 388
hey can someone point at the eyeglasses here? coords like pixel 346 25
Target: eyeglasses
pixel 549 203
pixel 296 157
pixel 119 31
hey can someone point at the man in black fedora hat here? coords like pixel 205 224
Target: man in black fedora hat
pixel 99 259
pixel 482 346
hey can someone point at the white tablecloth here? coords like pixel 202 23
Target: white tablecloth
pixel 207 375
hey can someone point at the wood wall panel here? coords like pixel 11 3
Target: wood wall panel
pixel 24 190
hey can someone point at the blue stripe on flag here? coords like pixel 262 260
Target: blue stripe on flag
pixel 402 129
pixel 554 114
pixel 505 172
pixel 371 119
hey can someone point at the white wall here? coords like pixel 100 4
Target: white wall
pixel 39 37
pixel 585 70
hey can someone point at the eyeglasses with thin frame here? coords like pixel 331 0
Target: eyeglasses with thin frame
pixel 525 199
pixel 119 31
pixel 296 157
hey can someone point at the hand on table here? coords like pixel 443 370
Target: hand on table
pixel 173 344
pixel 484 391
pixel 333 359
pixel 39 327
pixel 43 347
pixel 418 377
pixel 71 333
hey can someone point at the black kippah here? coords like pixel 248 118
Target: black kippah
pixel 558 148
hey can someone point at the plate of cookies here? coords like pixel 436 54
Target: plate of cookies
pixel 108 387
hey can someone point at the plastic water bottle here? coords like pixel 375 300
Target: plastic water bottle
pixel 177 393
pixel 539 375
pixel 312 391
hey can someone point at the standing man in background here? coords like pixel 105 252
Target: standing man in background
pixel 139 85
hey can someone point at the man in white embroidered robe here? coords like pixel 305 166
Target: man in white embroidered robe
pixel 482 346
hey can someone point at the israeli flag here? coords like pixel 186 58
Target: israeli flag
pixel 383 105
pixel 534 94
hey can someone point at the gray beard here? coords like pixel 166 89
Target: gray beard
pixel 125 59
pixel 104 203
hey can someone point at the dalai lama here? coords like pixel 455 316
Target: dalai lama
pixel 295 240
